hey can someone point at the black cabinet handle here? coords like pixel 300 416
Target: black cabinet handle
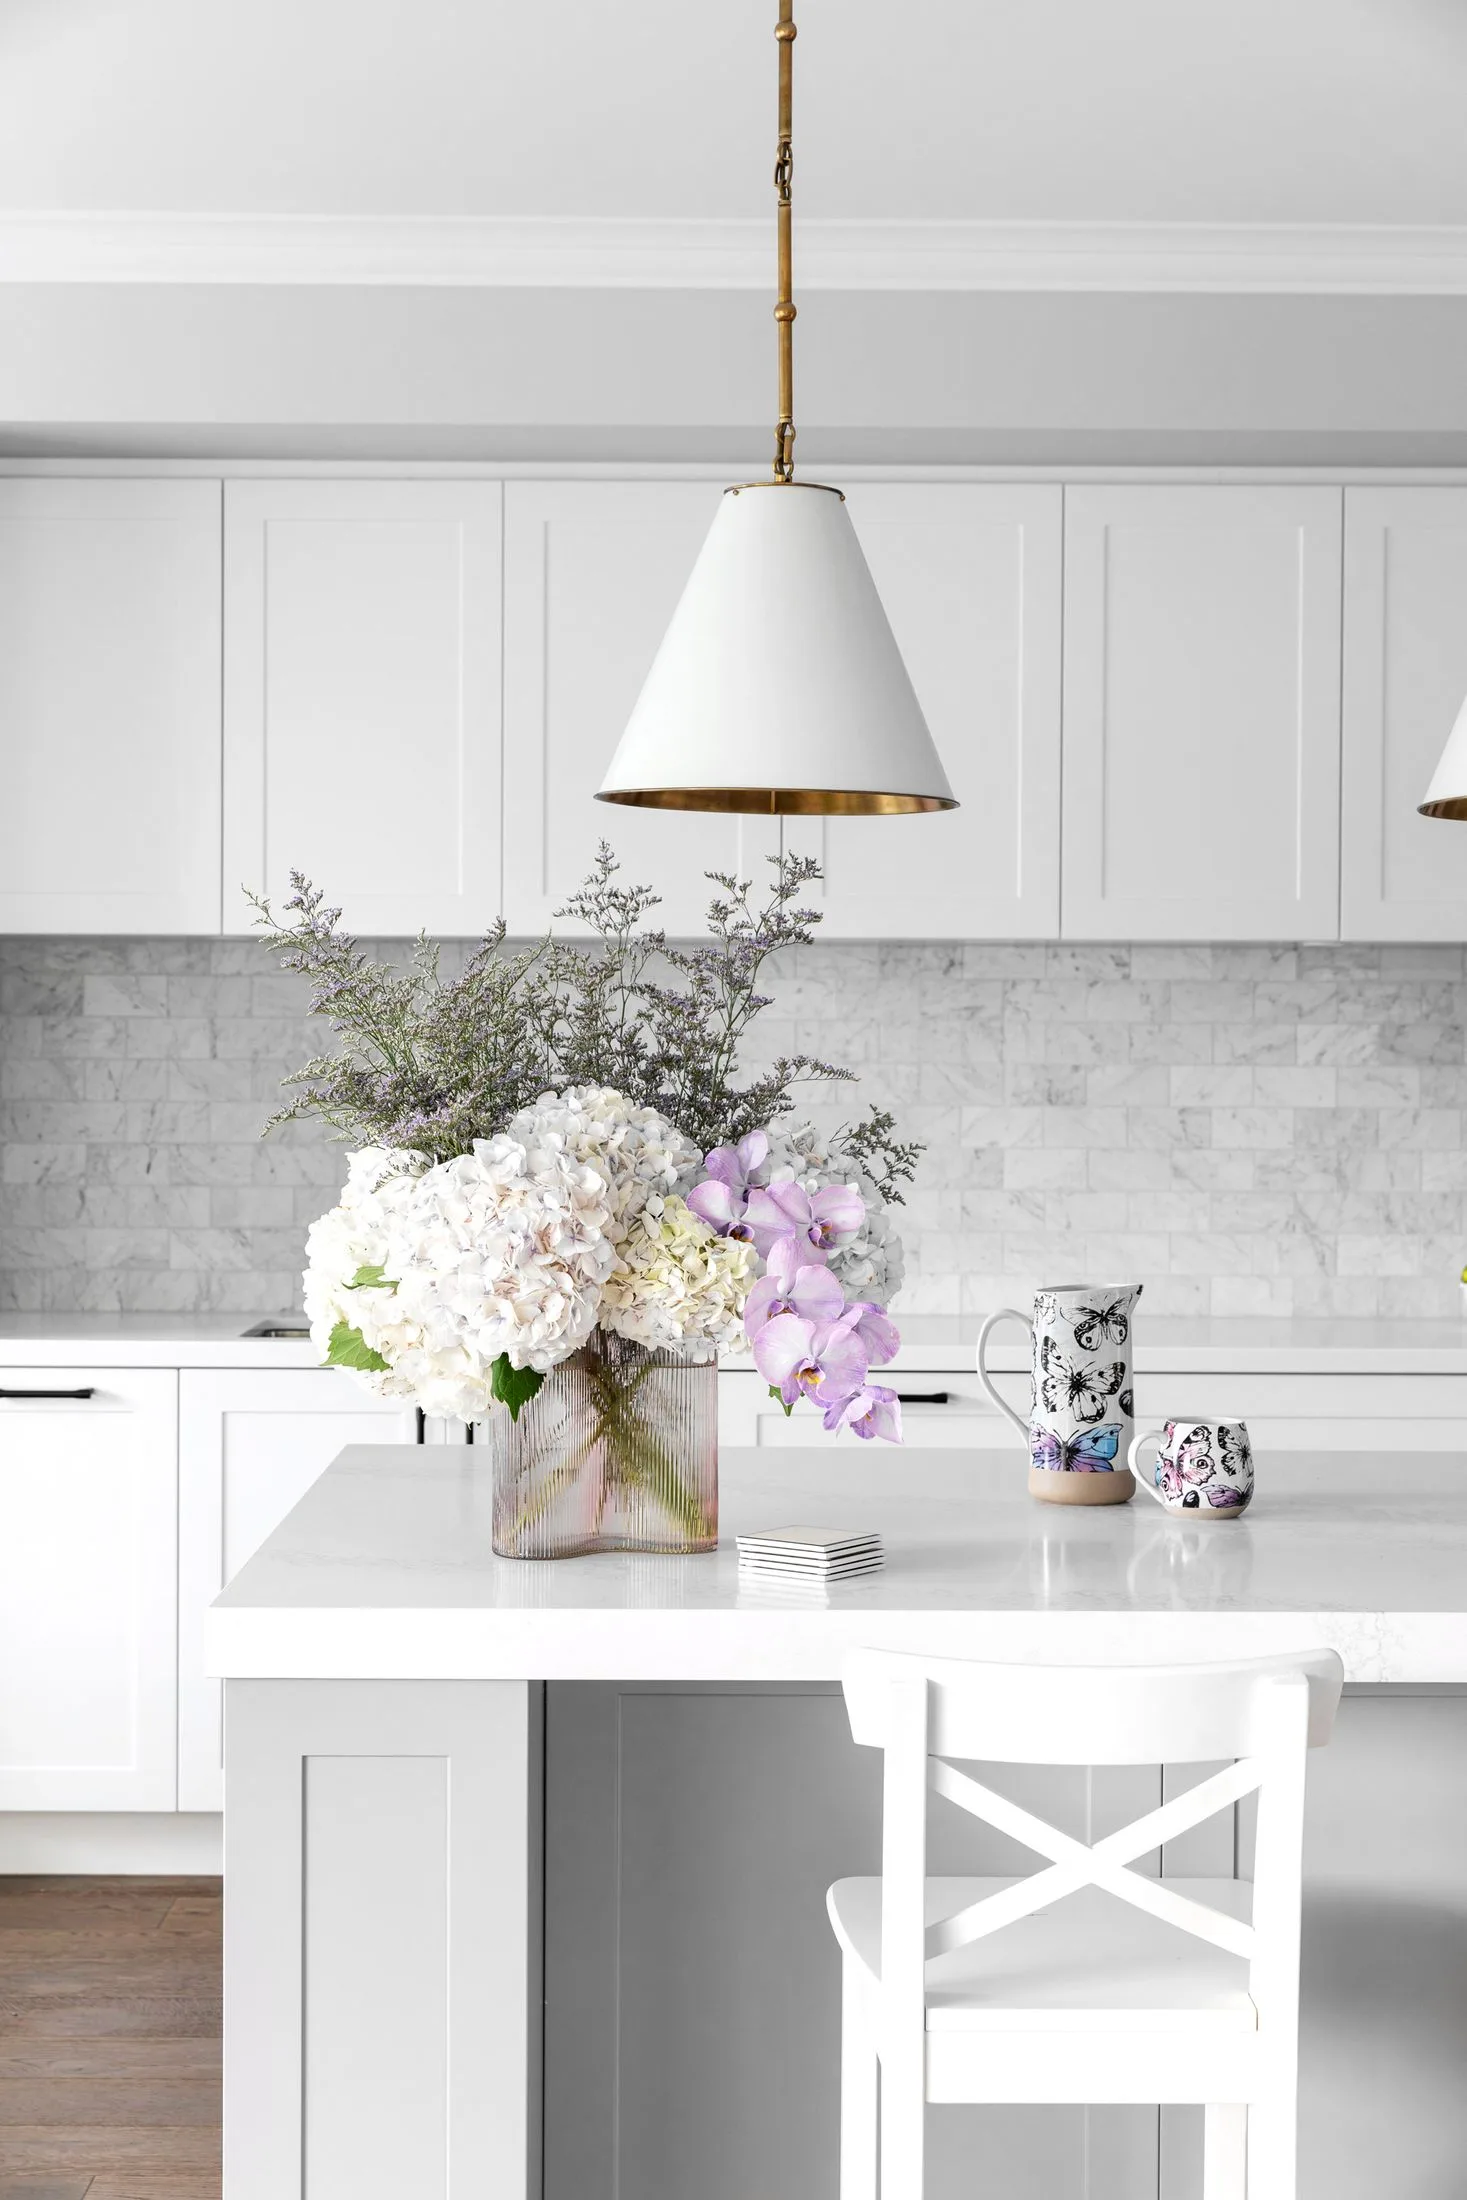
pixel 89 1392
pixel 924 1397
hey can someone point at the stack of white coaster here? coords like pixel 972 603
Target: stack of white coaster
pixel 808 1555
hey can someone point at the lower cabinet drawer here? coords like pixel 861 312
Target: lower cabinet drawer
pixel 1318 1412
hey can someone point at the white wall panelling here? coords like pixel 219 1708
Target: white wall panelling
pixel 1402 876
pixel 250 1443
pixel 88 1586
pixel 362 698
pixel 970 577
pixel 593 572
pixel 1201 700
pixel 109 706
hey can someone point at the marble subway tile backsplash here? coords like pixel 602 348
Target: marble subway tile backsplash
pixel 1246 1130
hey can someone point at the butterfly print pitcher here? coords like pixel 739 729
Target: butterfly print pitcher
pixel 1079 1428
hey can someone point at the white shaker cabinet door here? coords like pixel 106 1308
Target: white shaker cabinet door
pixel 88 1580
pixel 251 1443
pixel 970 578
pixel 593 573
pixel 362 699
pixel 1201 713
pixel 1403 876
pixel 109 706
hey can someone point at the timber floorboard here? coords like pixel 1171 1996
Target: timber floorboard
pixel 110 2004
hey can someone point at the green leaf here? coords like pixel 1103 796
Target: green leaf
pixel 371 1277
pixel 349 1348
pixel 513 1386
pixel 785 1408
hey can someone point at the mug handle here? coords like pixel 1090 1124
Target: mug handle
pixel 1145 1481
pixel 1004 1314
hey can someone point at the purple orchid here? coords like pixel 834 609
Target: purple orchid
pixel 873 1410
pixel 774 1211
pixel 873 1326
pixel 721 1198
pixel 799 1359
pixel 792 1284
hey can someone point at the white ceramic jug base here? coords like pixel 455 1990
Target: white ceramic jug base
pixel 1081 1489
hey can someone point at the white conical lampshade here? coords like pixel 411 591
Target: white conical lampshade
pixel 1447 794
pixel 779 685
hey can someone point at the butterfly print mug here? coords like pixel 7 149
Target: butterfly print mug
pixel 1202 1468
pixel 1078 1430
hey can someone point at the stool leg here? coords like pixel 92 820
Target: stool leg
pixel 903 2119
pixel 1272 2145
pixel 858 2075
pixel 1224 2151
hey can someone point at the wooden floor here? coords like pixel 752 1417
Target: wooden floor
pixel 109 2039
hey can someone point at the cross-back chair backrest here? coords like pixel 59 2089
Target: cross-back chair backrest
pixel 1260 1714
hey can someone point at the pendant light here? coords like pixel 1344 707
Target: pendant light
pixel 779 686
pixel 1447 794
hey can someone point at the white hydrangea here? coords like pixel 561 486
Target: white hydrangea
pixel 869 1265
pixel 639 1153
pixel 677 1279
pixel 358 1233
pixel 504 1249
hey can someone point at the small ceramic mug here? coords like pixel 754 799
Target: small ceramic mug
pixel 1202 1467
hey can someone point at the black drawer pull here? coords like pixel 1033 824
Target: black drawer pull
pixel 89 1392
pixel 924 1397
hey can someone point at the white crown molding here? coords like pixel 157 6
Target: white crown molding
pixel 550 252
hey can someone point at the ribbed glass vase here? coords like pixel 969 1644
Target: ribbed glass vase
pixel 617 1451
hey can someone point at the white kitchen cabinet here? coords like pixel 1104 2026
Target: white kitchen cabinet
pixel 109 706
pixel 251 1442
pixel 88 1578
pixel 1402 876
pixel 1201 713
pixel 970 575
pixel 593 572
pixel 362 699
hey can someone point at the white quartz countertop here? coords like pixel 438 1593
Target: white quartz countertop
pixel 931 1344
pixel 385 1569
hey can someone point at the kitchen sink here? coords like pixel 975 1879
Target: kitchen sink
pixel 294 1332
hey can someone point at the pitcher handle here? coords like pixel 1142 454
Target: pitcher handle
pixel 1004 1314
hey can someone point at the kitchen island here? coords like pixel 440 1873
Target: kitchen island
pixel 519 1852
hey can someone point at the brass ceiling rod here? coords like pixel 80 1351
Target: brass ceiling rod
pixel 784 309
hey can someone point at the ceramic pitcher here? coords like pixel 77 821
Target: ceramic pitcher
pixel 1079 1427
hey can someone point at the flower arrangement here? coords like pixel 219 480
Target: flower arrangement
pixel 554 1148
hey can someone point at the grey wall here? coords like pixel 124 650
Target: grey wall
pixel 1248 1130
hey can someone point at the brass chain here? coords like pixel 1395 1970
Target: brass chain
pixel 784 309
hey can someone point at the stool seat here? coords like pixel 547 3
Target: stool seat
pixel 1087 1963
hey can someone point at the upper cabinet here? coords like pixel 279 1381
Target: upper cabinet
pixel 1403 877
pixel 109 706
pixel 362 738
pixel 1201 713
pixel 592 574
pixel 970 578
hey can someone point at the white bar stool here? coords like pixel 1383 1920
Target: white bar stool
pixel 1136 1989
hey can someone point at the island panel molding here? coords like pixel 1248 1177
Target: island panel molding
pixel 419 1808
